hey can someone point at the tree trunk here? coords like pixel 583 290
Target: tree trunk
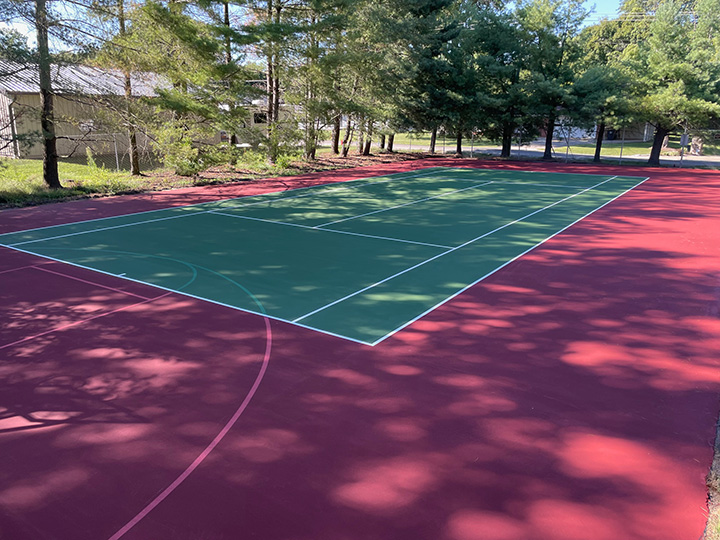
pixel 598 141
pixel 433 140
pixel 348 138
pixel 132 137
pixel 458 144
pixel 134 154
pixel 228 60
pixel 361 135
pixel 368 140
pixel 506 140
pixel 47 118
pixel 382 141
pixel 276 94
pixel 660 134
pixel 547 155
pixel 391 141
pixel 336 135
pixel 226 22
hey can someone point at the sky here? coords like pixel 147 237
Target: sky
pixel 602 9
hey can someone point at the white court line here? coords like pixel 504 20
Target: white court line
pixel 196 297
pixel 328 230
pixel 395 176
pixel 502 183
pixel 322 308
pixel 188 214
pixel 399 328
pixel 304 195
pixel 404 204
pixel 103 228
pixel 512 171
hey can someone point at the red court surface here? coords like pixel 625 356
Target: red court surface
pixel 572 395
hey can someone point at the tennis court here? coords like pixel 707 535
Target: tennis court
pixel 359 260
pixel 197 363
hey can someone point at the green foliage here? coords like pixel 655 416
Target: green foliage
pixel 21 182
pixel 14 47
pixel 455 65
pixel 184 150
pixel 282 139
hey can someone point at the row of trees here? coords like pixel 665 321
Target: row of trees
pixel 507 70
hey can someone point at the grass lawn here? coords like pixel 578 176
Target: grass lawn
pixel 612 148
pixel 21 182
pixel 423 140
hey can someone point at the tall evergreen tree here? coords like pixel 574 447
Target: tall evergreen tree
pixel 677 68
pixel 39 16
pixel 552 26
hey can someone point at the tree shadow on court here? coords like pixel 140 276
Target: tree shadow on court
pixel 56 400
pixel 571 395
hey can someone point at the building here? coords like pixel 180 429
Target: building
pixel 80 93
pixel 83 96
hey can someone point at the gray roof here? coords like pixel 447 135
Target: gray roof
pixel 75 79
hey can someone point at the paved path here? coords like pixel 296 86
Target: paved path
pixel 535 151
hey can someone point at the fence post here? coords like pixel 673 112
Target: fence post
pixel 117 159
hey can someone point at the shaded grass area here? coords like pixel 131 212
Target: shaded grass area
pixel 21 182
pixel 630 148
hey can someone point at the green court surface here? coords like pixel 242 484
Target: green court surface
pixel 359 259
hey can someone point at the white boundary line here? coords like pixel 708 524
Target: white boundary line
pixel 304 195
pixel 360 291
pixel 308 227
pixel 271 193
pixel 539 184
pixel 404 204
pixel 319 330
pixel 542 172
pixel 399 328
pixel 103 228
pixel 581 174
pixel 217 302
pixel 199 212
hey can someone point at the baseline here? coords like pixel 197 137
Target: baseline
pixel 471 241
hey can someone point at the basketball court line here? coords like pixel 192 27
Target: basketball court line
pixel 318 186
pixel 91 283
pixel 402 205
pixel 360 291
pixel 24 267
pixel 429 310
pixel 315 228
pixel 255 203
pixel 297 321
pixel 221 434
pixel 226 427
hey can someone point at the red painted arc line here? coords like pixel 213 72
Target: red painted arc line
pixel 83 321
pixel 92 283
pixel 209 448
pixel 26 267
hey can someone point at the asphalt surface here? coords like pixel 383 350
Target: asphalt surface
pixel 535 151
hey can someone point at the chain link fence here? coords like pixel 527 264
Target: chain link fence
pixel 106 150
